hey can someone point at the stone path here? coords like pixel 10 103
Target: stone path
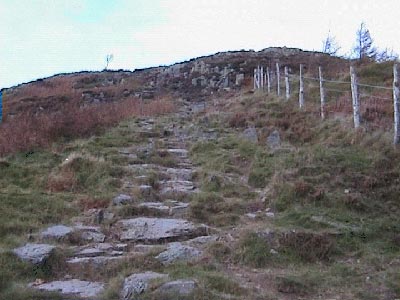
pixel 108 238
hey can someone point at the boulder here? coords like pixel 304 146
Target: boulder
pixel 274 139
pixel 178 252
pixel 73 287
pixel 136 284
pixel 34 253
pixel 250 134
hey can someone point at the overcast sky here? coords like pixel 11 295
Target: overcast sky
pixel 40 38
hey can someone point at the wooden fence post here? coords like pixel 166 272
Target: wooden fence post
pixel 301 91
pixel 396 99
pixel 262 77
pixel 322 93
pixel 354 93
pixel 278 78
pixel 287 83
pixel 268 81
pixel 255 79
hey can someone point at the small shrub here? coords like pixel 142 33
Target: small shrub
pixel 293 285
pixel 307 246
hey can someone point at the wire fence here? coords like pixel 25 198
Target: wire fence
pixel 371 106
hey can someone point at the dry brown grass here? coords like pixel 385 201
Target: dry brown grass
pixel 28 130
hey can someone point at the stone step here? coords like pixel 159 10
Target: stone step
pixel 74 288
pixel 158 230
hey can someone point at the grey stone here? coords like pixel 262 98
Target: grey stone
pixel 91 233
pixel 182 153
pixel 136 284
pixel 155 206
pixel 178 252
pixel 96 261
pixel 172 188
pixel 274 139
pixel 34 253
pixel 147 248
pixel 177 287
pixel 73 287
pixel 122 199
pixel 202 240
pixel 157 229
pixel 180 174
pixel 250 134
pixel 56 232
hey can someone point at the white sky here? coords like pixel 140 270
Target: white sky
pixel 39 38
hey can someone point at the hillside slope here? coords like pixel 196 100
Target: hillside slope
pixel 238 196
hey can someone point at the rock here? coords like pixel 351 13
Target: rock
pixel 56 232
pixel 96 261
pixel 250 134
pixel 147 248
pixel 178 252
pixel 172 188
pixel 182 153
pixel 136 284
pixel 158 229
pixel 122 199
pixel 177 288
pixel 180 174
pixel 34 253
pixel 73 287
pixel 202 240
pixel 274 139
pixel 90 233
pixel 155 206
pixel 251 215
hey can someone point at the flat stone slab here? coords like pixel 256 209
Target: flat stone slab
pixel 136 284
pixel 158 229
pixel 56 232
pixel 73 287
pixel 183 153
pixel 177 287
pixel 95 261
pixel 34 253
pixel 180 173
pixel 178 252
pixel 172 187
pixel 155 206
